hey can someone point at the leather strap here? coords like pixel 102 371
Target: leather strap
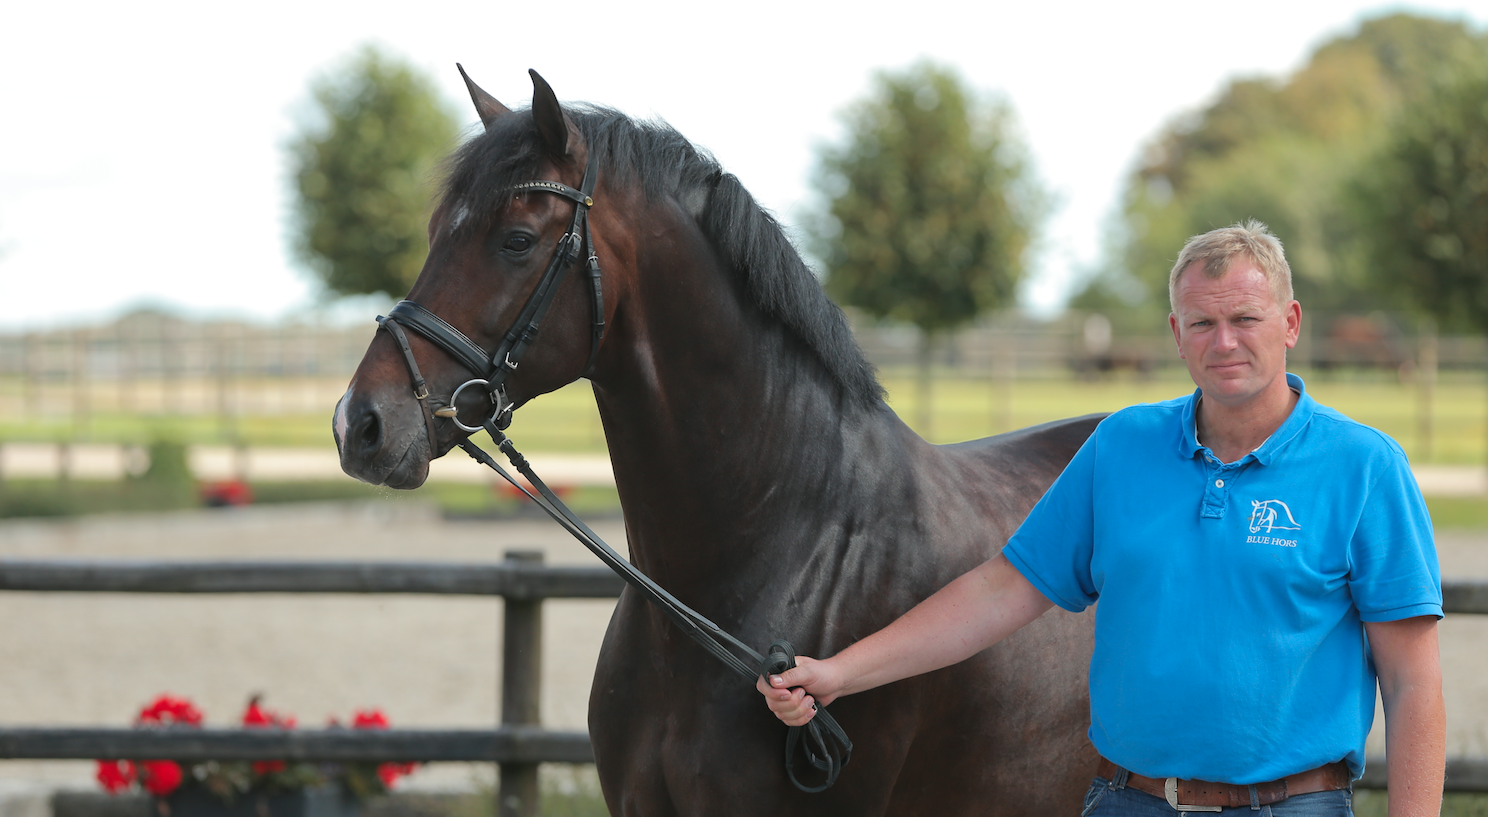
pixel 596 285
pixel 826 746
pixel 1332 777
pixel 825 742
pixel 420 387
pixel 524 331
pixel 446 337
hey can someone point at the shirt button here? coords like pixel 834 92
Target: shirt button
pixel 1219 483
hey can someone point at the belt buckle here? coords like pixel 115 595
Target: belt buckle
pixel 1170 791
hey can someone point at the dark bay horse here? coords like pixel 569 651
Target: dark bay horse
pixel 764 481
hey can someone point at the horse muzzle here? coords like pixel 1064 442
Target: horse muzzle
pixel 375 446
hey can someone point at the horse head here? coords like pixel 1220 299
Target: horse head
pixel 508 246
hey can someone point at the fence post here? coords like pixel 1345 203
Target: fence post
pixel 521 668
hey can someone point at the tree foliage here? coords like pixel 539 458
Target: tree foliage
pixel 929 204
pixel 1425 205
pixel 364 175
pixel 1285 152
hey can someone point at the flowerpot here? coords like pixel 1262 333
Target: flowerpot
pixel 197 801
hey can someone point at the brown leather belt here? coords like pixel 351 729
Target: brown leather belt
pixel 1201 795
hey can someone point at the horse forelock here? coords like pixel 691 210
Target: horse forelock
pixel 663 163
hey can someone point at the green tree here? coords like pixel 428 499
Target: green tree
pixel 1424 202
pixel 364 174
pixel 1285 152
pixel 930 206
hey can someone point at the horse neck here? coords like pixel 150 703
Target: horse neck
pixel 726 432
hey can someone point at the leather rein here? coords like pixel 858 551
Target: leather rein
pixel 825 744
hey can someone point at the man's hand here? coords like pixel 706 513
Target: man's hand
pixel 813 681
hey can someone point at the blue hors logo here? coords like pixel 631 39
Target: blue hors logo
pixel 1271 515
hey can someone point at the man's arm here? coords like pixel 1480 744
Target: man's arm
pixel 982 607
pixel 1408 663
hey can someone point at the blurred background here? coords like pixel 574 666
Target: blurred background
pixel 202 209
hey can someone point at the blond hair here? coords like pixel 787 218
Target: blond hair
pixel 1218 249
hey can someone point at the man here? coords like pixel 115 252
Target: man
pixel 1260 561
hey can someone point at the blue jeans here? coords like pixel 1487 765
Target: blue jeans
pixel 1106 799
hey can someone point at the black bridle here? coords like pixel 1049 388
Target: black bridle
pixel 493 369
pixel 826 745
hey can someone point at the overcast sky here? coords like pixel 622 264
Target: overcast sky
pixel 142 161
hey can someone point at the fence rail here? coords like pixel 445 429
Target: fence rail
pixel 1466 775
pixel 518 745
pixel 514 581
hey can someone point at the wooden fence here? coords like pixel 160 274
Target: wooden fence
pixel 156 363
pixel 518 745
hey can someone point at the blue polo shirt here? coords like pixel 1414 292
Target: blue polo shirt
pixel 1228 641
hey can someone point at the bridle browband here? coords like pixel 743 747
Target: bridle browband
pixel 825 744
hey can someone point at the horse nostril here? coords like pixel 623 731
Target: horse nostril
pixel 369 434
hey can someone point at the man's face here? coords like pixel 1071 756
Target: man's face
pixel 1232 332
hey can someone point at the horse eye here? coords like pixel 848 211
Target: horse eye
pixel 518 243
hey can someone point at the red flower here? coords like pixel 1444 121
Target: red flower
pixel 256 715
pixel 390 772
pixel 369 719
pixel 161 777
pixel 115 775
pixel 374 719
pixel 169 711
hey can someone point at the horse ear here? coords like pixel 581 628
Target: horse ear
pixel 558 133
pixel 486 105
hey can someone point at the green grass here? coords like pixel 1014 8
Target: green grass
pixel 1376 804
pixel 964 408
pixel 52 498
pixel 566 421
pixel 566 790
pixel 967 408
pixel 1458 512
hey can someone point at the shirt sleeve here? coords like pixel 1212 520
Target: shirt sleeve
pixel 1393 569
pixel 1053 546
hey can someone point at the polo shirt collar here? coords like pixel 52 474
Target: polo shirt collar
pixel 1295 422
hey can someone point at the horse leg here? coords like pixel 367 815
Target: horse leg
pixel 625 731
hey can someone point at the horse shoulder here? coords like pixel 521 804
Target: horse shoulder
pixel 1008 473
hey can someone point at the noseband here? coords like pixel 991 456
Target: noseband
pixel 492 369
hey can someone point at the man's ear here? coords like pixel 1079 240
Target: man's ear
pixel 1177 334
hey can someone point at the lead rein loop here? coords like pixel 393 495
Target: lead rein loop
pixel 827 746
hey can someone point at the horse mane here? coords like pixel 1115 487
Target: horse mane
pixel 663 163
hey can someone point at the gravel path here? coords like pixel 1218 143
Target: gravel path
pixel 94 659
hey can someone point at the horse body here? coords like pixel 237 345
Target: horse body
pixel 766 485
